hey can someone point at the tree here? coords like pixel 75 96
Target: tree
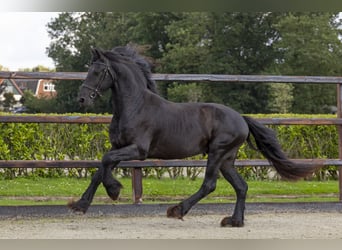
pixel 219 43
pixel 224 43
pixel 73 34
pixel 38 105
pixel 185 52
pixel 149 28
pixel 187 49
pixel 38 68
pixel 242 44
pixel 8 101
pixel 62 51
pixel 309 45
pixel 186 93
pixel 280 98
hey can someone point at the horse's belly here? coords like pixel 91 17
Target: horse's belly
pixel 170 154
pixel 171 150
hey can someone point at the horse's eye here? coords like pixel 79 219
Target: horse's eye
pixel 96 73
pixel 92 95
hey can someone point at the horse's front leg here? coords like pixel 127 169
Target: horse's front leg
pixel 83 204
pixel 109 160
pixel 112 185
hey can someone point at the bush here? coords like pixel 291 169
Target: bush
pixel 33 141
pixel 45 141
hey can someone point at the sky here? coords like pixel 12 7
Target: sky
pixel 24 39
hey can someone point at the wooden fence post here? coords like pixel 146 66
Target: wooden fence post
pixel 339 129
pixel 137 188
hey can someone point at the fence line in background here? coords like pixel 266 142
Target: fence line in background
pixel 137 166
pixel 183 77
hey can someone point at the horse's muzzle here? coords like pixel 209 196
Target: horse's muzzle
pixel 85 102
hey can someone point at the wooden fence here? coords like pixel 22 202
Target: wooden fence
pixel 137 166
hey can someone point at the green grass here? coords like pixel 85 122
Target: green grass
pixel 31 191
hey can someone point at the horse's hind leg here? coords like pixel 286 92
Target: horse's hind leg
pixel 215 160
pixel 240 187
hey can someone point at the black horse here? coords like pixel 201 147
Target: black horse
pixel 144 125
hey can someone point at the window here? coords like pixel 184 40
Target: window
pixel 49 87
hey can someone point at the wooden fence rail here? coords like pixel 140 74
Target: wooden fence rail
pixel 183 77
pixel 152 163
pixel 107 119
pixel 137 166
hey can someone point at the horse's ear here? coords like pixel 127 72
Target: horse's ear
pixel 96 53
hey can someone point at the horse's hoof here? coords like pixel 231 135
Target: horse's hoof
pixel 175 212
pixel 113 190
pixel 229 221
pixel 78 206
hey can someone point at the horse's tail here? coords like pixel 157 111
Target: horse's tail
pixel 269 146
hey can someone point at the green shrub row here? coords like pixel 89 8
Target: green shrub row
pixel 45 141
pixel 49 141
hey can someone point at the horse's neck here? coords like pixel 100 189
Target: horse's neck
pixel 127 104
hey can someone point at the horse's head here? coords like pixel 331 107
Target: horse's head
pixel 100 77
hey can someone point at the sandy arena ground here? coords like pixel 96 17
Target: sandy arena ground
pixel 270 224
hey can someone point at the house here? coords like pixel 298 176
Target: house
pixel 40 88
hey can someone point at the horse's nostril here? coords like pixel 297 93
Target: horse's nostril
pixel 81 100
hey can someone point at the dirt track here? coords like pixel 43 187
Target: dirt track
pixel 280 221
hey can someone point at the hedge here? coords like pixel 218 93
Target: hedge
pixel 45 141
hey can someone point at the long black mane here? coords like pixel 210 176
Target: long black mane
pixel 129 56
